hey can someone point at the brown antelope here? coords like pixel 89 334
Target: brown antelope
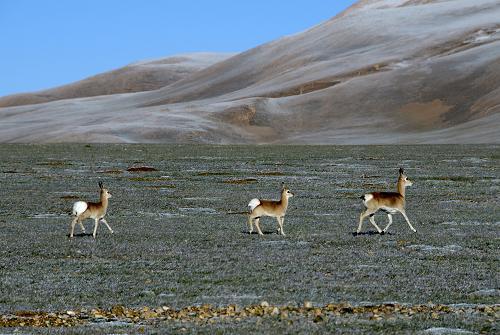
pixel 84 210
pixel 277 209
pixel 388 202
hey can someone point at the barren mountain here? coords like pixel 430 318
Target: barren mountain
pixel 383 71
pixel 136 77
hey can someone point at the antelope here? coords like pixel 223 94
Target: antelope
pixel 388 202
pixel 277 209
pixel 84 210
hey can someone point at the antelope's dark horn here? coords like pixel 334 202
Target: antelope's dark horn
pixel 401 171
pixel 100 184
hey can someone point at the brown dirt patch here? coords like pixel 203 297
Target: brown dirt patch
pixel 240 181
pixel 424 115
pixel 141 169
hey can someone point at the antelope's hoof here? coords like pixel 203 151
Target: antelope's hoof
pixel 382 232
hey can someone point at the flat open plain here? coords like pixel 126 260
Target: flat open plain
pixel 181 240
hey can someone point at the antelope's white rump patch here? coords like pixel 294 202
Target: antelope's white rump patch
pixel 79 207
pixel 253 203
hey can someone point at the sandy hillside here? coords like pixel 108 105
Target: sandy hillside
pixel 384 71
pixel 136 77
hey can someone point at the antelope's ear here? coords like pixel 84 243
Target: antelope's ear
pixel 100 185
pixel 401 170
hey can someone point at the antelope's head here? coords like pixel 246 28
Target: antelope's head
pixel 104 191
pixel 403 178
pixel 286 191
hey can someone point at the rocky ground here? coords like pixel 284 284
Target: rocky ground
pixel 181 259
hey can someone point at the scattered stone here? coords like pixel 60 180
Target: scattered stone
pixel 118 310
pixel 210 314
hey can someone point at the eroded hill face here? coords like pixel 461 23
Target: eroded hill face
pixel 136 77
pixel 384 71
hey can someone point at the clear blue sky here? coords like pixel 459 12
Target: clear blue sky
pixel 47 43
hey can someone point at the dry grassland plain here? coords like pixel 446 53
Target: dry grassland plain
pixel 181 240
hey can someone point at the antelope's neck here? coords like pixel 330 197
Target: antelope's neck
pixel 104 202
pixel 401 187
pixel 284 201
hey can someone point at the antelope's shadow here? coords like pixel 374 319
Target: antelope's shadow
pixel 256 233
pixel 369 233
pixel 80 235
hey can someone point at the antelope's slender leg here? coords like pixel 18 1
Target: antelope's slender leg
pixel 258 226
pixel 363 215
pixel 389 224
pixel 408 221
pixel 250 224
pixel 81 225
pixel 372 220
pixel 73 223
pixel 95 227
pixel 107 225
pixel 280 222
